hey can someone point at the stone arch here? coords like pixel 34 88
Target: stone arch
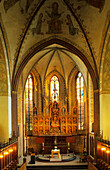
pixel 69 47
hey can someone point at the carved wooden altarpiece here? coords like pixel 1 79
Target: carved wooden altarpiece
pixel 56 122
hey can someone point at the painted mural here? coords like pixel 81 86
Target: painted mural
pixel 54 22
pixel 72 29
pixel 9 3
pixel 37 29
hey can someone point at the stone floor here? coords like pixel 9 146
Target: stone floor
pixel 63 164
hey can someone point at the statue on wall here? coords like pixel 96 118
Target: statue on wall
pixel 34 110
pixel 63 111
pixel 54 24
pixel 55 109
pixel 64 129
pixel 55 122
pixel 55 125
pixel 75 108
pixel 46 111
pixel 74 120
pixel 69 129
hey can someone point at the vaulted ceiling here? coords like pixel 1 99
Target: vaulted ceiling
pixel 48 35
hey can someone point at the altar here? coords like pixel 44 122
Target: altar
pixel 54 151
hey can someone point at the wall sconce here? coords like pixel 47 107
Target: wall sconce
pixel 10 150
pixel 103 149
pixel 6 153
pixel 15 148
pixel 68 146
pixel 42 145
pixel 1 156
pixel 107 151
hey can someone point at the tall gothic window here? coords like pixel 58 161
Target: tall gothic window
pixel 80 99
pixel 29 102
pixel 54 89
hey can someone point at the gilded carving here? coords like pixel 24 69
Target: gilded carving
pixel 55 122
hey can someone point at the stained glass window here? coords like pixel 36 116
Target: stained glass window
pixel 80 99
pixel 29 102
pixel 54 90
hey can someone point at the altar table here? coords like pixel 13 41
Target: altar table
pixel 55 151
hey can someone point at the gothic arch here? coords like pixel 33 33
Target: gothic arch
pixel 61 81
pixel 69 47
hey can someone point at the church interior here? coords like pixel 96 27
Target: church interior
pixel 55 82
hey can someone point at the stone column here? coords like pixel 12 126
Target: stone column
pixel 96 120
pixel 96 113
pixel 14 114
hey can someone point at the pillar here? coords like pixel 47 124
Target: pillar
pixel 14 114
pixel 96 120
pixel 96 113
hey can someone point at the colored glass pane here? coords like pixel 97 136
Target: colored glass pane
pixel 80 99
pixel 54 89
pixel 29 102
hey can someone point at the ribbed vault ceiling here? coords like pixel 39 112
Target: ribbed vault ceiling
pixel 55 58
